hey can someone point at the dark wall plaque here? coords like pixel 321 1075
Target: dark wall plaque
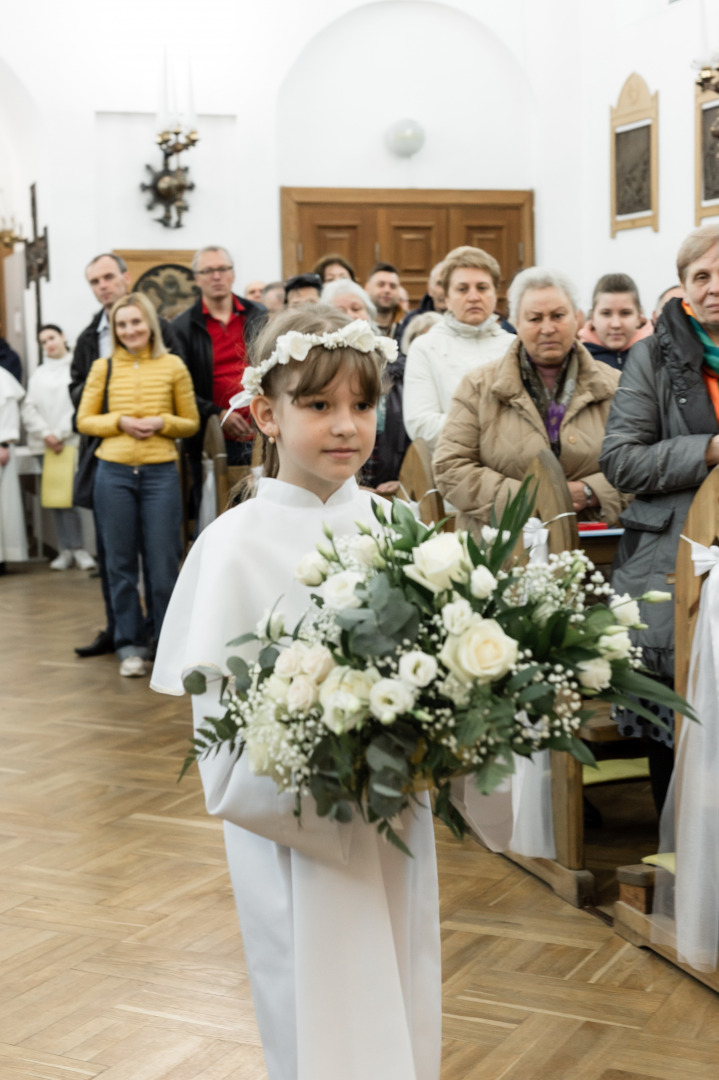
pixel 710 162
pixel 633 170
pixel 171 288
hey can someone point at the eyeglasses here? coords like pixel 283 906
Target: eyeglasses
pixel 213 270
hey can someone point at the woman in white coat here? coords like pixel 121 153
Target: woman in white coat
pixel 47 413
pixel 468 335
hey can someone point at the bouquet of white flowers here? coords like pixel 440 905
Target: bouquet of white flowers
pixel 426 656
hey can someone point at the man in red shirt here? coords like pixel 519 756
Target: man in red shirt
pixel 214 334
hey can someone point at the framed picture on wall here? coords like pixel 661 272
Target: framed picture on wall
pixel 634 158
pixel 706 148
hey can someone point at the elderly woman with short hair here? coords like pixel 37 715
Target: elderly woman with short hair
pixel 348 296
pixel 468 335
pixel 546 392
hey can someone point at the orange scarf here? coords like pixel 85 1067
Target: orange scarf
pixel 711 379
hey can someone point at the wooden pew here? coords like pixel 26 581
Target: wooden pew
pixel 226 476
pixel 567 874
pixel 632 912
pixel 417 483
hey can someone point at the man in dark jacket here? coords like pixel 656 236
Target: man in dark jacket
pixel 109 279
pixel 214 335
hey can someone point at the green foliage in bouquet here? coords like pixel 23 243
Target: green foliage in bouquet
pixel 427 656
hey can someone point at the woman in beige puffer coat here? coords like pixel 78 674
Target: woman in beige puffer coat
pixel 547 392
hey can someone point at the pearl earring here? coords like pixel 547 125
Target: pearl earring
pixel 271 439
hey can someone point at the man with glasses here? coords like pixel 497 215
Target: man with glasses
pixel 214 334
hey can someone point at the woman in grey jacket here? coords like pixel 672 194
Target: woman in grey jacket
pixel 662 439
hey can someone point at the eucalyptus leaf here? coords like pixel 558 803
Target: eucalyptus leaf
pixel 195 682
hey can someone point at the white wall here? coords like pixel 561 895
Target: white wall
pixel 513 94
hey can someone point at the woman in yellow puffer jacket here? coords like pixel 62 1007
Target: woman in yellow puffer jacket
pixel 150 403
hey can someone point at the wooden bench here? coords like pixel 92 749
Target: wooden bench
pixel 566 874
pixel 632 912
pixel 417 484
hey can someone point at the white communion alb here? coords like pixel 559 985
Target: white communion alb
pixel 13 541
pixel 340 929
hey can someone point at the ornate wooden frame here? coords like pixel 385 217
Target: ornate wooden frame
pixel 636 106
pixel 701 209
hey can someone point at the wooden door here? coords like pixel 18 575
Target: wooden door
pixel 413 230
pixel 414 239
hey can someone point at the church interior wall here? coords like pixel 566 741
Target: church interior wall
pixel 515 95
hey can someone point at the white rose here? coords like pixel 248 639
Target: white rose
pixel 365 551
pixel 483 652
pixel 350 681
pixel 289 662
pixel 276 689
pixel 482 582
pixel 654 596
pixel 359 335
pixel 438 562
pixel 339 590
pixel 302 694
pixel 271 626
pixel 295 345
pixel 417 668
pixel 317 662
pixel 625 610
pixel 389 698
pixel 457 616
pixel 595 674
pixel 615 644
pixel 312 569
pixel 342 711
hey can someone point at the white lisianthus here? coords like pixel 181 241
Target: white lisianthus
pixel 312 569
pixel 339 591
pixel 359 335
pixel 294 345
pixel 302 694
pixel 365 551
pixel 482 582
pixel 489 535
pixel 625 610
pixel 317 662
pixel 350 681
pixel 276 689
pixel 457 616
pixel 389 698
pixel 342 711
pixel 327 551
pixel 595 674
pixel 289 662
pixel 615 644
pixel 271 626
pixel 438 562
pixel 483 652
pixel 417 668
pixel 655 596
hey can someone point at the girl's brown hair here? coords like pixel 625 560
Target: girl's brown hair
pixel 616 283
pixel 316 372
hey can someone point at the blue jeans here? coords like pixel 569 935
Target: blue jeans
pixel 139 511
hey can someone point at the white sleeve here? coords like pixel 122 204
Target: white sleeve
pixel 254 803
pixel 423 414
pixel 32 417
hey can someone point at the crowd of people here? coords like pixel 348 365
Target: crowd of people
pixel 483 392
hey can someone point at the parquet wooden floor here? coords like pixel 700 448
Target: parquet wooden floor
pixel 120 954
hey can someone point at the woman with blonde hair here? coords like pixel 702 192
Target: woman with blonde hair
pixel 138 401
pixel 467 336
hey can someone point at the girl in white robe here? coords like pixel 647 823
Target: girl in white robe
pixel 13 540
pixel 340 929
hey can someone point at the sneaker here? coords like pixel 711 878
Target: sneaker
pixel 133 667
pixel 63 562
pixel 83 559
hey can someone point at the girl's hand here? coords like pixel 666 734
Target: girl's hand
pixel 4 455
pixel 140 427
pixel 53 444
pixel 389 487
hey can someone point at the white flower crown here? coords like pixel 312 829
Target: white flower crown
pixel 296 346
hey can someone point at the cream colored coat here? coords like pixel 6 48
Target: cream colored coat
pixel 494 430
